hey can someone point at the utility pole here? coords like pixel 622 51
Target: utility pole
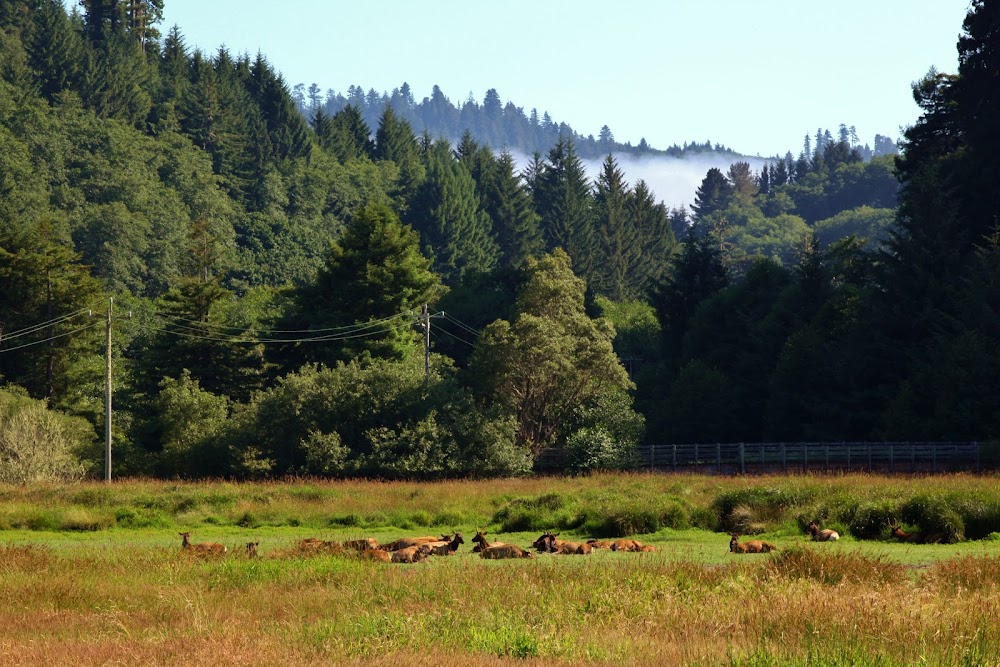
pixel 426 316
pixel 107 392
pixel 107 399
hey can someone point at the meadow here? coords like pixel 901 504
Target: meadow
pixel 94 574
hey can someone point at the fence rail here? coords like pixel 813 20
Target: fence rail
pixel 745 457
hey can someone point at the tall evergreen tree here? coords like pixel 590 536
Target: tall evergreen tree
pixel 563 201
pixel 445 211
pixel 508 203
pixel 713 194
pixel 350 135
pixel 55 50
pixel 619 242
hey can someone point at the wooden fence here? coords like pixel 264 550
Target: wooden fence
pixel 745 457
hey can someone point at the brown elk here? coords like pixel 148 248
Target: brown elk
pixel 548 543
pixel 480 541
pixel 822 534
pixel 448 548
pixel 919 537
pixel 498 551
pixel 749 547
pixel 364 544
pixel 315 545
pixel 627 545
pixel 404 542
pixel 412 554
pixel 376 554
pixel 252 549
pixel 599 544
pixel 202 548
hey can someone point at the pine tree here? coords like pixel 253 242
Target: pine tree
pixel 350 135
pixel 508 203
pixel 618 238
pixel 55 50
pixel 563 201
pixel 713 194
pixel 454 232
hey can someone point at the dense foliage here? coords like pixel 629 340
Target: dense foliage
pixel 270 262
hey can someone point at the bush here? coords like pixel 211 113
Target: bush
pixel 871 520
pixel 596 449
pixel 38 444
pixel 933 513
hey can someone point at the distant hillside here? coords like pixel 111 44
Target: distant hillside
pixel 493 123
pixel 502 125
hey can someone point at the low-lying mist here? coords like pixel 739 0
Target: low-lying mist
pixel 672 180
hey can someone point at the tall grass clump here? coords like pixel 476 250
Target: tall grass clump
pixel 871 519
pixel 833 568
pixel 932 512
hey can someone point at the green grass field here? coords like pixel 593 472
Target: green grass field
pixel 94 574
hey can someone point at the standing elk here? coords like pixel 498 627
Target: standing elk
pixel 252 549
pixel 822 534
pixel 202 548
pixel 750 547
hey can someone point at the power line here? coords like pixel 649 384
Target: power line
pixel 465 326
pixel 362 331
pixel 204 325
pixel 39 342
pixel 43 325
pixel 461 340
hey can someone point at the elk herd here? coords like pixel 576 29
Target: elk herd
pixel 419 549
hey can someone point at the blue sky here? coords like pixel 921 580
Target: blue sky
pixel 755 75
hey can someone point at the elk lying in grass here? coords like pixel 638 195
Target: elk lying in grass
pixel 364 544
pixel 480 541
pixel 448 548
pixel 749 547
pixel 413 554
pixel 549 543
pixel 631 545
pixel 376 554
pixel 498 551
pixel 202 548
pixel 404 542
pixel 252 549
pixel 599 544
pixel 919 537
pixel 316 545
pixel 822 534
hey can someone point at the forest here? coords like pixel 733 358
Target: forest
pixel 361 285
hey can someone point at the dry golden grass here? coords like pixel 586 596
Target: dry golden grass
pixel 122 605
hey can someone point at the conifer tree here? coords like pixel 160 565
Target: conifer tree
pixel 563 201
pixel 618 238
pixel 350 135
pixel 445 210
pixel 508 203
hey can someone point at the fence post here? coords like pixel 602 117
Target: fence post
pixel 869 457
pixel 718 457
pixel 826 454
pixel 784 458
pixel 974 442
pixel 697 458
pixel 892 457
pixel 913 457
pixel 743 467
pixel 805 457
pixel 675 456
pixel 848 445
pixel 934 447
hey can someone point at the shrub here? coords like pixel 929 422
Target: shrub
pixel 934 514
pixel 871 520
pixel 38 444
